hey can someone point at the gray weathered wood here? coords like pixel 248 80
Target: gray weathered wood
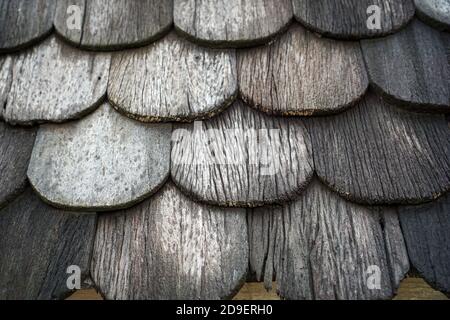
pixel 427 234
pixel 54 82
pixel 242 158
pixel 232 23
pixel 379 154
pixel 24 22
pixel 37 245
pixel 410 68
pixel 347 19
pixel 114 24
pixel 172 80
pixel 6 63
pixel 322 247
pixel 169 247
pixel 302 74
pixel 434 12
pixel 104 161
pixel 16 145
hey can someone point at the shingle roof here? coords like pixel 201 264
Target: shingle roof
pixel 175 148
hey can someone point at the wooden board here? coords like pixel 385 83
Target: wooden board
pixel 410 68
pixel 232 23
pixel 323 247
pixel 242 158
pixel 24 22
pixel 169 247
pixel 379 154
pixel 114 24
pixel 302 74
pixel 347 19
pixel 102 162
pixel 54 82
pixel 16 145
pixel 172 80
pixel 434 12
pixel 426 229
pixel 37 245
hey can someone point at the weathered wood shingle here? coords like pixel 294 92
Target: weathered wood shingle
pixel 169 247
pixel 379 154
pixel 113 24
pixel 434 12
pixel 172 80
pixel 53 82
pixel 101 162
pixel 410 68
pixel 24 22
pixel 324 247
pixel 348 19
pixel 38 244
pixel 302 74
pixel 232 23
pixel 242 158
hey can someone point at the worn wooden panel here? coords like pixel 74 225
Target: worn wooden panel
pixel 434 12
pixel 347 19
pixel 114 24
pixel 6 63
pixel 410 68
pixel 232 23
pixel 302 74
pixel 54 82
pixel 242 158
pixel 37 245
pixel 24 22
pixel 102 162
pixel 169 247
pixel 16 145
pixel 426 230
pixel 172 80
pixel 324 247
pixel 379 154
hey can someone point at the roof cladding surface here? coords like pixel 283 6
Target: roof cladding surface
pixel 299 144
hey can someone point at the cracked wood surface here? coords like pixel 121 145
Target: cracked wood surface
pixel 347 19
pixel 302 74
pixel 379 154
pixel 322 247
pixel 434 12
pixel 115 24
pixel 16 145
pixel 172 80
pixel 170 247
pixel 232 23
pixel 37 245
pixel 410 69
pixel 241 157
pixel 24 22
pixel 102 162
pixel 53 82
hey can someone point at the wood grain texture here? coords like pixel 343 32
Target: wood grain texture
pixel 53 82
pixel 379 154
pixel 24 22
pixel 37 245
pixel 6 64
pixel 115 24
pixel 102 162
pixel 16 145
pixel 169 247
pixel 426 230
pixel 321 247
pixel 242 158
pixel 434 12
pixel 232 23
pixel 347 19
pixel 302 74
pixel 172 80
pixel 410 69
